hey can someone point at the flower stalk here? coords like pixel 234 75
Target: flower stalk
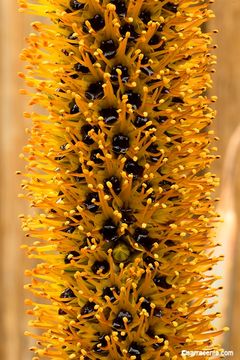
pixel 118 173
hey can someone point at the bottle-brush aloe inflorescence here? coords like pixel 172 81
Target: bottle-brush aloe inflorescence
pixel 117 173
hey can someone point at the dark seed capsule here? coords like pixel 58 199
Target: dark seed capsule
pixel 153 148
pixel 157 345
pixel 157 312
pixel 94 91
pixel 170 243
pixel 58 158
pixel 103 340
pixel 95 156
pixel 102 343
pixel 108 291
pixel 72 37
pixel 177 100
pixel 118 322
pixel 70 255
pixel 149 260
pixel 160 28
pixel 108 48
pixel 121 8
pixel 60 90
pixel 76 5
pixel 165 90
pixel 154 159
pixel 74 109
pixel 161 47
pixel 169 304
pixel 124 75
pixel 127 216
pixel 122 337
pixel 134 99
pixel 69 229
pixel 65 52
pixel 155 39
pixel 109 230
pixel 147 70
pixel 92 58
pixel 146 304
pixel 136 350
pixel 89 202
pixel 162 282
pixel 61 312
pixel 74 76
pixel 165 184
pixel 81 68
pixel 67 293
pixel 88 308
pixel 116 185
pixel 85 29
pixel 144 60
pixel 86 138
pixel 140 121
pixel 153 82
pixel 97 349
pixel 128 28
pixel 120 144
pixel 162 119
pixel 102 266
pixel 145 16
pixel 78 171
pixel 132 167
pixel 171 7
pixel 110 115
pixel 141 237
pixel 97 22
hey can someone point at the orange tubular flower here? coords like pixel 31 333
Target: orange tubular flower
pixel 117 173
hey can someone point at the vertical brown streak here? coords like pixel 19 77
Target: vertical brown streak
pixel 13 320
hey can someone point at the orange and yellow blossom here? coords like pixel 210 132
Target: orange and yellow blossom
pixel 118 172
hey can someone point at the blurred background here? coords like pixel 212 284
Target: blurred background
pixel 13 28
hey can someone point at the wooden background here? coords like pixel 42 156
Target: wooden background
pixel 13 345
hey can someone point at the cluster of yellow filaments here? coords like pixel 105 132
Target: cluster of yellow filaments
pixel 118 174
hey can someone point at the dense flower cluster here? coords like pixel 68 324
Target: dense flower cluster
pixel 117 172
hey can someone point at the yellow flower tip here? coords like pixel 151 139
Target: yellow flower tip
pixel 226 329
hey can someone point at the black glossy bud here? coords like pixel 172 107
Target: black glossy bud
pixel 110 115
pixel 95 91
pixel 71 255
pixel 90 203
pixel 134 99
pixel 132 167
pixel 76 5
pixel 118 322
pixel 120 144
pixel 140 121
pixel 109 230
pixel 88 308
pixel 67 293
pixel 108 48
pixel 124 75
pixel 136 349
pixel 100 267
pixel 161 282
pixel 116 184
